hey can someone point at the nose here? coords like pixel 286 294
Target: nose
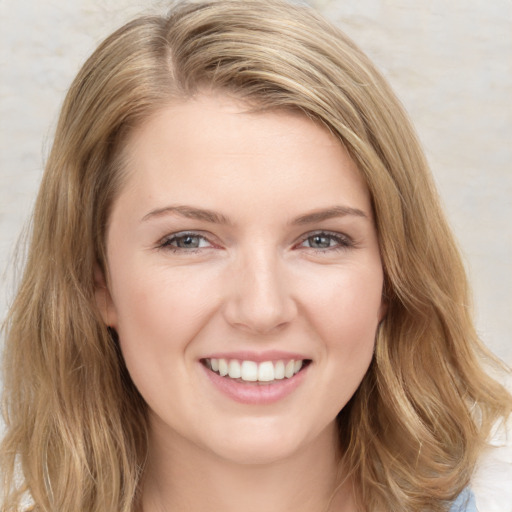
pixel 259 299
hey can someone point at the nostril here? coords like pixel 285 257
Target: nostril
pixel 259 303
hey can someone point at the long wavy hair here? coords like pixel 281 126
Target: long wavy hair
pixel 76 427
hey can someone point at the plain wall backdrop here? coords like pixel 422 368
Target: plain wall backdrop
pixel 449 61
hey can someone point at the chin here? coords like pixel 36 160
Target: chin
pixel 261 444
pixel 257 453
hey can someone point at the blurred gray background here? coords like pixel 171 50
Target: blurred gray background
pixel 449 61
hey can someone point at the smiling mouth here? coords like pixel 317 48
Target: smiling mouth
pixel 254 372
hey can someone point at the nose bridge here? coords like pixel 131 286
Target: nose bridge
pixel 260 299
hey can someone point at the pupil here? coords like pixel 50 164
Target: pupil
pixel 189 241
pixel 320 242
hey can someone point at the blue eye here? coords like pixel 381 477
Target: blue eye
pixel 322 241
pixel 185 241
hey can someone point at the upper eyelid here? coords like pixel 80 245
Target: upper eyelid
pixel 208 236
pixel 179 234
pixel 333 234
pixel 185 233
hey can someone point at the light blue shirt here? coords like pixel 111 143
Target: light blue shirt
pixel 465 502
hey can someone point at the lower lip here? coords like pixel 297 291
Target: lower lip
pixel 253 392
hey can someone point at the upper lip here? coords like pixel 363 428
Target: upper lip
pixel 269 355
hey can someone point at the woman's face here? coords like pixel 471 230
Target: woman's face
pixel 242 242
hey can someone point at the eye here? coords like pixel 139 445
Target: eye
pixel 325 241
pixel 185 242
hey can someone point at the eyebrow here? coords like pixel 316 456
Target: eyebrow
pixel 191 212
pixel 328 213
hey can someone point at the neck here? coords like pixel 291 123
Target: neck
pixel 183 476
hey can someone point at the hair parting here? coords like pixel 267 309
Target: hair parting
pixel 76 426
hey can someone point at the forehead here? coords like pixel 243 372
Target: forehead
pixel 217 120
pixel 214 148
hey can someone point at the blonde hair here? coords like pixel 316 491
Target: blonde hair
pixel 76 425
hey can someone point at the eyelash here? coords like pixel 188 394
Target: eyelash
pixel 168 240
pixel 343 242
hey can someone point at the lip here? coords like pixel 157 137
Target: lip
pixel 258 357
pixel 253 393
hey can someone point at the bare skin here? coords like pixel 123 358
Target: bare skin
pixel 288 485
pixel 250 237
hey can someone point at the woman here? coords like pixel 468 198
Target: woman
pixel 240 289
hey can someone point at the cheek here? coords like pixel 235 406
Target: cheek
pixel 158 311
pixel 345 313
pixel 159 315
pixel 346 302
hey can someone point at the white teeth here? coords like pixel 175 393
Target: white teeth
pixel 223 367
pixel 266 371
pixel 234 369
pixel 279 370
pixel 288 370
pixel 251 371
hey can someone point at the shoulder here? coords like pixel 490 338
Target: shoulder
pixel 491 482
pixel 465 502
